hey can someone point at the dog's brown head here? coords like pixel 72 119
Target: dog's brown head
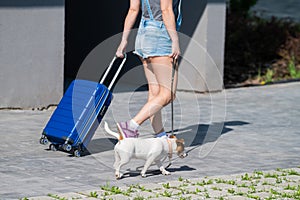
pixel 180 148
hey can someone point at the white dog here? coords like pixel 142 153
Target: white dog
pixel 153 150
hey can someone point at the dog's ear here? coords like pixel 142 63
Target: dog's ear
pixel 180 145
pixel 180 141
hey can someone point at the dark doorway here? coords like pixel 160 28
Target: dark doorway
pixel 88 23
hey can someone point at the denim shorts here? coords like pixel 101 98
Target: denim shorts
pixel 152 39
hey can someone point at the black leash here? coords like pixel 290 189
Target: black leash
pixel 174 66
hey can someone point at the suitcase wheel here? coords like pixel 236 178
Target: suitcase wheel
pixel 77 153
pixel 67 147
pixel 52 147
pixel 44 140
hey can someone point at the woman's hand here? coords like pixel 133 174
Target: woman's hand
pixel 175 50
pixel 121 49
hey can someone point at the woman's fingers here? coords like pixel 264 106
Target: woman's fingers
pixel 175 54
pixel 121 49
pixel 120 54
pixel 175 50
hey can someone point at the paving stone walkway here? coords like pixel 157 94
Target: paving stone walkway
pixel 275 184
pixel 237 131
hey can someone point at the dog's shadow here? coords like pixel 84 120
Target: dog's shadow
pixel 155 172
pixel 195 135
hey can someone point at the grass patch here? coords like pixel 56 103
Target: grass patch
pixel 246 177
pixel 216 189
pixel 293 172
pixel 111 190
pixel 94 194
pixel 166 194
pixel 166 185
pixel 139 187
pixel 271 175
pixel 185 198
pixel 220 180
pixel 139 198
pixel 231 191
pixel 57 197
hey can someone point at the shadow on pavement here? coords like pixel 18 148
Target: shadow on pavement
pixel 101 145
pixel 204 133
pixel 156 172
pixel 194 135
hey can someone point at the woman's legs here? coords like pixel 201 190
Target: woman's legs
pixel 158 71
pixel 153 91
pixel 161 68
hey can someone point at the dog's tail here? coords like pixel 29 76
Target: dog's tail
pixel 110 132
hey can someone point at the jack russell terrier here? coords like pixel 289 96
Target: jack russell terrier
pixel 153 150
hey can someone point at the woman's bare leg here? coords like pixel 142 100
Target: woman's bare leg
pixel 162 70
pixel 153 91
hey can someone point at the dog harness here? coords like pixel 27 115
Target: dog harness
pixel 170 149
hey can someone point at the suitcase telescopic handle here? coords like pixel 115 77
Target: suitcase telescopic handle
pixel 116 74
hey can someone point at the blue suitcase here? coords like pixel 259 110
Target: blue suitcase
pixel 78 114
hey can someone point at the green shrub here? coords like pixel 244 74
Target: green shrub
pixel 241 7
pixel 253 45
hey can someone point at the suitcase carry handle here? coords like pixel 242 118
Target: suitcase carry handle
pixel 116 74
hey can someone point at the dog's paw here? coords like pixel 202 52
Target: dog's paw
pixel 165 172
pixel 143 175
pixel 118 176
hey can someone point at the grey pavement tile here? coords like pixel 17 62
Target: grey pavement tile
pixel 89 192
pixel 262 195
pixel 69 195
pixel 242 190
pixel 194 196
pixel 175 183
pixel 144 194
pixel 152 186
pixel 216 194
pixel 238 198
pixel 118 197
pixel 293 178
pixel 41 198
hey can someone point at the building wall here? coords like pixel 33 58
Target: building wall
pixel 202 66
pixel 31 52
pixel 32 44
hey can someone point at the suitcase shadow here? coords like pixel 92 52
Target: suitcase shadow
pixel 100 145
